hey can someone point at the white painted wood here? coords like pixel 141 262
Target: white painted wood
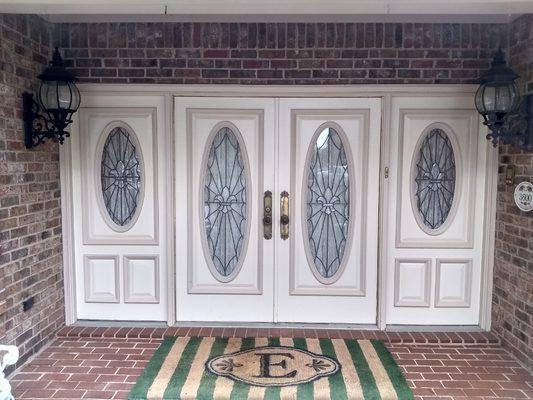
pixel 101 279
pixel 279 91
pixel 284 18
pixel 98 229
pixel 453 283
pixel 461 128
pixel 301 296
pixel 143 95
pixel 383 295
pixel 67 224
pixel 489 228
pixel 92 234
pixel 461 237
pixel 412 286
pixel 325 11
pixel 141 279
pixel 168 165
pixel 200 295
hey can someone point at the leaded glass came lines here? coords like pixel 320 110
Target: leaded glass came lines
pixel 120 175
pixel 435 178
pixel 328 202
pixel 225 202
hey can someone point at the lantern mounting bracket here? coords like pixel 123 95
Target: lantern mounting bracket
pixel 38 127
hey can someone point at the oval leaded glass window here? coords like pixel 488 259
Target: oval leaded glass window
pixel 328 203
pixel 434 178
pixel 224 200
pixel 121 176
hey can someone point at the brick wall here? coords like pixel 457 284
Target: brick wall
pixel 512 305
pixel 285 53
pixel 30 220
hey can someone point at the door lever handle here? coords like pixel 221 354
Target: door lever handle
pixel 267 215
pixel 284 219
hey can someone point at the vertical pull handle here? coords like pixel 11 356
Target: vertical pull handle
pixel 267 215
pixel 284 219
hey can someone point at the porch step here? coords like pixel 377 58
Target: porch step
pixel 416 338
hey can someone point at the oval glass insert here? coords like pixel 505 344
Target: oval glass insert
pixel 327 202
pixel 121 175
pixel 224 200
pixel 434 178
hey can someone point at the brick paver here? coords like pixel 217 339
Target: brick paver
pixel 93 363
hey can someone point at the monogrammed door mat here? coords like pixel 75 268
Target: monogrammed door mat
pixel 195 368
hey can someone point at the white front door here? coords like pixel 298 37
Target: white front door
pixel 329 164
pixel 118 199
pixel 320 156
pixel 435 216
pixel 224 164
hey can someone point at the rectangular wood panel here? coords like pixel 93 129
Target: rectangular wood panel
pixel 101 278
pixel 141 279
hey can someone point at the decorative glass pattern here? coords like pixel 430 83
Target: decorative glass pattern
pixel 328 202
pixel 435 178
pixel 225 201
pixel 121 176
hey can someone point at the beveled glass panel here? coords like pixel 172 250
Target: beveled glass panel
pixel 435 178
pixel 121 176
pixel 328 202
pixel 225 201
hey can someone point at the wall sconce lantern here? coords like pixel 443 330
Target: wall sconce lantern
pixel 508 116
pixel 57 99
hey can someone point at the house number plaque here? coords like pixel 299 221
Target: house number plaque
pixel 523 196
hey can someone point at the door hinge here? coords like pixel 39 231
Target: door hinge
pixel 386 172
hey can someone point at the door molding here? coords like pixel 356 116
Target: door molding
pixel 363 116
pixel 170 91
pixel 192 286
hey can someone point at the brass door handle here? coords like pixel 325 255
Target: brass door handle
pixel 267 215
pixel 284 218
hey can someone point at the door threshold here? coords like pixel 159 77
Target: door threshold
pixel 212 324
pixel 287 325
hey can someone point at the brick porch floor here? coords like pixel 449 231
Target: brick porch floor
pixel 103 363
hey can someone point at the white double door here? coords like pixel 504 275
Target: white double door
pixel 277 209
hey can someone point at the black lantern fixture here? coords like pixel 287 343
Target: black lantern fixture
pixel 508 116
pixel 58 99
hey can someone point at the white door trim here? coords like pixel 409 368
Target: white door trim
pixel 169 91
pixel 67 228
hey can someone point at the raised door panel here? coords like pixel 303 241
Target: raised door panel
pixel 453 286
pixel 141 279
pixel 101 279
pixel 412 286
pixel 437 178
pixel 119 176
pixel 329 202
pixel 225 182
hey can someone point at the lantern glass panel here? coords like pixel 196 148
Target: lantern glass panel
pixel 59 95
pixel 497 97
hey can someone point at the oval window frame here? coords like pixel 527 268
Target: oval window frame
pixel 203 231
pixel 450 133
pixel 304 190
pixel 98 176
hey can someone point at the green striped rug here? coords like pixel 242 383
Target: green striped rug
pixel 259 368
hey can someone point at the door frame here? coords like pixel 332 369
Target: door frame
pixel 170 91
